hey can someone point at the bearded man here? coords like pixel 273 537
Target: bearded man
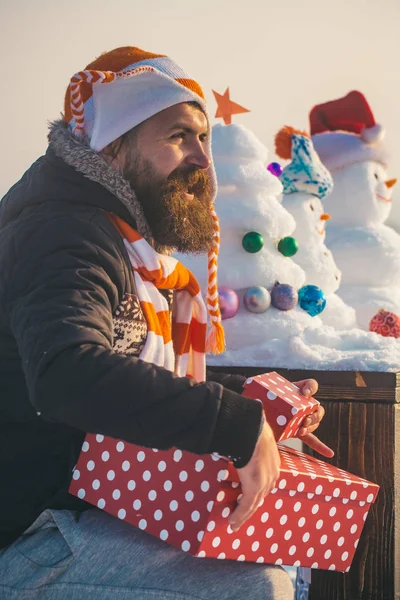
pixel 87 287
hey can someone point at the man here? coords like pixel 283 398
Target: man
pixel 86 342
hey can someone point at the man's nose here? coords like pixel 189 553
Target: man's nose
pixel 198 157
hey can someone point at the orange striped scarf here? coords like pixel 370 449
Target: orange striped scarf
pixel 179 345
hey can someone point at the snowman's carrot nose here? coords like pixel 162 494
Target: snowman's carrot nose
pixel 390 183
pixel 325 217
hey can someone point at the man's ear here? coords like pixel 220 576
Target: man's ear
pixel 112 153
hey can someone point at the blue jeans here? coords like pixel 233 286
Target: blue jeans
pixel 66 555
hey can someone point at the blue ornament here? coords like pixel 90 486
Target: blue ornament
pixel 312 299
pixel 283 296
pixel 275 168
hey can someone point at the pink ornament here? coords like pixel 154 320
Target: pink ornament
pixel 228 302
pixel 385 323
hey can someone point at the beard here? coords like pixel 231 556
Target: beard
pixel 175 220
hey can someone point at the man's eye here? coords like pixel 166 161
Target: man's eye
pixel 177 136
pixel 203 137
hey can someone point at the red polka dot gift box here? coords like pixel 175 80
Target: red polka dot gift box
pixel 285 408
pixel 312 518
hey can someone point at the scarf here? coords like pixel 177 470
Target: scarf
pixel 179 344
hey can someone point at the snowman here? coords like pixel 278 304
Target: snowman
pixel 252 222
pixel 306 182
pixel 351 145
pixel 262 327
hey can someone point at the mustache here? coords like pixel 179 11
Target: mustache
pixel 196 181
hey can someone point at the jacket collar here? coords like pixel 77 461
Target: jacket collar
pixel 78 155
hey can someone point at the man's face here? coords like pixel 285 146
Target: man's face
pixel 166 161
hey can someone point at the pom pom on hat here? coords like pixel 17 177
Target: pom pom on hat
pixel 283 141
pixel 305 173
pixel 344 132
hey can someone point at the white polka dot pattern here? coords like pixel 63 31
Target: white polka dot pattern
pixel 314 515
pixel 285 408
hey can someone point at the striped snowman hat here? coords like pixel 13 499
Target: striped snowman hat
pixel 118 91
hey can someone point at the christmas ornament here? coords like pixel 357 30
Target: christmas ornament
pixel 257 299
pixel 275 168
pixel 288 246
pixel 252 242
pixel 283 296
pixel 312 299
pixel 227 108
pixel 228 302
pixel 385 323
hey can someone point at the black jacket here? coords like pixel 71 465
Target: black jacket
pixel 64 275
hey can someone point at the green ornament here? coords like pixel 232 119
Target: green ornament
pixel 288 246
pixel 252 242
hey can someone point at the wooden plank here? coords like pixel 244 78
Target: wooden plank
pixel 337 386
pixel 396 508
pixel 363 437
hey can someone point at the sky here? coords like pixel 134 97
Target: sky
pixel 279 59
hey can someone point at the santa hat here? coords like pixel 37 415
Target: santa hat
pixel 118 91
pixel 344 132
pixel 305 173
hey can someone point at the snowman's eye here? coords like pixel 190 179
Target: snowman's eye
pixel 376 176
pixel 311 206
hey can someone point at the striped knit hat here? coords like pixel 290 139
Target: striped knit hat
pixel 118 91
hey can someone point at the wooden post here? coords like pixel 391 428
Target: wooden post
pixel 362 426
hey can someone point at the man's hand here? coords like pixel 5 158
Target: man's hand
pixel 258 477
pixel 309 387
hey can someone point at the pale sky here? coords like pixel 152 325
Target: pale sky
pixel 278 57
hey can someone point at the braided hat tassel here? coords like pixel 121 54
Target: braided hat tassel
pixel 216 337
pixel 77 107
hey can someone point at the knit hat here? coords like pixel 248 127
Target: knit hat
pixel 344 132
pixel 118 91
pixel 140 85
pixel 305 173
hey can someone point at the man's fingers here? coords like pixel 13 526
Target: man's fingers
pixel 306 430
pixel 308 387
pixel 243 511
pixel 311 422
pixel 314 418
pixel 315 444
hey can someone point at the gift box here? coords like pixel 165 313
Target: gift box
pixel 284 407
pixel 312 518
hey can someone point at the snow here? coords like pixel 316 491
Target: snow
pixel 248 201
pixel 365 249
pixel 314 257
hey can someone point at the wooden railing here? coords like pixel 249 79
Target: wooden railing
pixel 362 426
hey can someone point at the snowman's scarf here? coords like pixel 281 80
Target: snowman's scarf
pixel 179 345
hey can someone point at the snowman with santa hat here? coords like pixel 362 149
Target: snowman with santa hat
pixel 352 146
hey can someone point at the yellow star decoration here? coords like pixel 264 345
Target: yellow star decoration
pixel 227 108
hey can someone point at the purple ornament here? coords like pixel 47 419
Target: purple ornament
pixel 283 296
pixel 228 302
pixel 275 168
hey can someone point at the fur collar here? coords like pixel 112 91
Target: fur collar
pixel 77 154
